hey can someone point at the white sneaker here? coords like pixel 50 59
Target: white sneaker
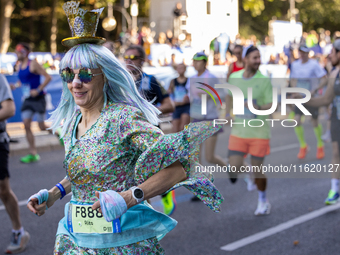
pixel 18 243
pixel 263 208
pixel 250 182
pixel 326 137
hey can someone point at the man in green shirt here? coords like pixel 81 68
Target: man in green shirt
pixel 251 137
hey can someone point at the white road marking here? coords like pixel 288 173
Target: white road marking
pixel 285 147
pixel 283 226
pixel 22 202
pixel 276 149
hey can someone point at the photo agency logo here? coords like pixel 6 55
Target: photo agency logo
pixel 204 97
pixel 239 105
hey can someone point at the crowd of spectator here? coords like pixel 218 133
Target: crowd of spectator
pixel 320 44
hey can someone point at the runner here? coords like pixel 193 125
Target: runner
pixel 19 237
pixel 245 140
pixel 332 94
pixel 181 116
pixel 33 92
pixel 306 73
pixel 233 68
pixel 153 91
pixel 115 156
pixel 147 85
pixel 238 64
pixel 204 76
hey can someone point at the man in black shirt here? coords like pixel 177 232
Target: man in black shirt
pixel 147 85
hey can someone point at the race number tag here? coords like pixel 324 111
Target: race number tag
pixel 26 90
pixel 145 83
pixel 304 83
pixel 247 113
pixel 180 93
pixel 82 219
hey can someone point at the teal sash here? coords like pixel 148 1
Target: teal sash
pixel 140 222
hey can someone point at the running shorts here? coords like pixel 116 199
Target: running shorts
pixel 335 130
pixel 181 110
pixel 4 151
pixel 313 110
pixel 256 147
pixel 34 104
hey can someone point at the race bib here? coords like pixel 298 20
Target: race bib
pixel 305 84
pixel 145 83
pixel 82 219
pixel 26 90
pixel 247 113
pixel 179 94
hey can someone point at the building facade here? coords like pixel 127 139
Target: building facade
pixel 162 13
pixel 205 19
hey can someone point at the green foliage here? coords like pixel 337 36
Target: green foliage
pixel 313 14
pixel 319 14
pixel 254 6
pixel 255 15
pixel 31 20
pixel 35 27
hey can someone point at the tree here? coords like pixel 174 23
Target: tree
pixel 313 14
pixel 53 37
pixel 319 14
pixel 6 10
pixel 254 15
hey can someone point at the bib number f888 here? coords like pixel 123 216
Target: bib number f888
pixel 83 219
pixel 87 213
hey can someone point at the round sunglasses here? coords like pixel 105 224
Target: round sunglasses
pixel 131 57
pixel 85 75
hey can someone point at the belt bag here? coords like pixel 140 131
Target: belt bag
pixel 140 222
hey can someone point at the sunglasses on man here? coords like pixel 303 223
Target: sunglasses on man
pixel 131 57
pixel 85 75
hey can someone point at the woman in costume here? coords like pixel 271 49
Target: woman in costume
pixel 115 158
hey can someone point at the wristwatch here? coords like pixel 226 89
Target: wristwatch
pixel 137 194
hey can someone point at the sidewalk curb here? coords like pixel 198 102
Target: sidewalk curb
pixel 25 151
pixel 43 143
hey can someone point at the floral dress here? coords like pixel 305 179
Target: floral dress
pixel 122 149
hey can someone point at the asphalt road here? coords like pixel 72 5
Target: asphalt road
pixel 199 230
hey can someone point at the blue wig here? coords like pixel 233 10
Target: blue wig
pixel 119 85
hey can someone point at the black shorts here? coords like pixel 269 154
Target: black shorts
pixel 240 153
pixel 335 126
pixel 35 104
pixel 335 129
pixel 313 110
pixel 4 151
pixel 180 110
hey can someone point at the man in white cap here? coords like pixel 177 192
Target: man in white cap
pixel 308 74
pixel 244 138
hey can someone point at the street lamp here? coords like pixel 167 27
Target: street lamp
pixel 109 23
pixel 134 13
pixel 293 10
pixel 292 14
